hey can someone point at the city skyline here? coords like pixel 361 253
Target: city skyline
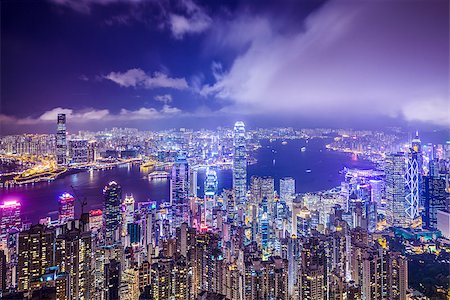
pixel 151 65
pixel 225 150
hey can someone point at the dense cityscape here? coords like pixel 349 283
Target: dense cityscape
pixel 224 150
pixel 251 241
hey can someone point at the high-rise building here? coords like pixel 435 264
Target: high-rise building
pixel 210 196
pixel 179 190
pixel 436 198
pixel 443 222
pixel 376 191
pixel 412 186
pixel 95 220
pixel 92 151
pixel 287 190
pixel 395 190
pixel 78 151
pixel 61 141
pixel 73 256
pixel 112 214
pixel 239 163
pixel 260 188
pixel 127 213
pixel 9 217
pixel 66 208
pixel 2 271
pixel 35 254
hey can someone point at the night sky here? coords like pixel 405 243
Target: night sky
pixel 158 64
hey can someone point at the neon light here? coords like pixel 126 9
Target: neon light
pixel 10 204
pixel 95 213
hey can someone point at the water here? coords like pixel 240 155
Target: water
pixel 274 159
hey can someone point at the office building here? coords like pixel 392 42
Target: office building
pixel 112 215
pixel 66 210
pixel 61 140
pixel 239 164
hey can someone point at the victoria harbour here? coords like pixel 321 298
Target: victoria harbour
pixel 224 150
pixel 273 158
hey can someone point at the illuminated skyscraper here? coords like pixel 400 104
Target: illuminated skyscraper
pixel 210 195
pixel 78 151
pixel 435 196
pixel 239 163
pixel 66 208
pixel 112 214
pixel 95 220
pixel 35 254
pixel 179 190
pixel 260 188
pixel 412 186
pixel 61 141
pixel 395 190
pixel 287 190
pixel 9 217
pixel 127 213
pixel 376 191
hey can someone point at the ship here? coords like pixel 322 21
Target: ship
pixel 303 149
pixel 158 175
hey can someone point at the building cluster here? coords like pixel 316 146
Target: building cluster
pixel 250 242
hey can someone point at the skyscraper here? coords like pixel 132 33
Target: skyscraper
pixel 210 195
pixel 66 208
pixel 395 189
pixel 412 186
pixel 239 163
pixel 35 254
pixel 287 190
pixel 112 215
pixel 127 213
pixel 9 217
pixel 435 196
pixel 179 190
pixel 78 151
pixel 61 141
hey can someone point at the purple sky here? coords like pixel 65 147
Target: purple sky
pixel 204 63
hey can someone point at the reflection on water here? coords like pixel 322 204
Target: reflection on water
pixel 41 198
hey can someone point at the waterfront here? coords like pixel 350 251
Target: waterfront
pixel 274 159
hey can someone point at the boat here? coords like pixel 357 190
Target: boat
pixel 158 175
pixel 308 171
pixel 303 149
pixel 283 143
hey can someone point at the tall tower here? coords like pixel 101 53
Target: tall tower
pixel 412 186
pixel 179 190
pixel 127 213
pixel 239 163
pixel 287 190
pixel 9 217
pixel 61 140
pixel 112 215
pixel 66 208
pixel 395 189
pixel 210 195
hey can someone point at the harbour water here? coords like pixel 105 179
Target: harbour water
pixel 313 169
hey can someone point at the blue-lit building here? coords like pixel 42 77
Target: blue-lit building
pixel 112 214
pixel 239 163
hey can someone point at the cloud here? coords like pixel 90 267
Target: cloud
pixel 91 114
pixel 435 111
pixel 138 78
pixel 366 58
pixel 85 6
pixel 167 98
pixel 181 17
pixel 193 20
